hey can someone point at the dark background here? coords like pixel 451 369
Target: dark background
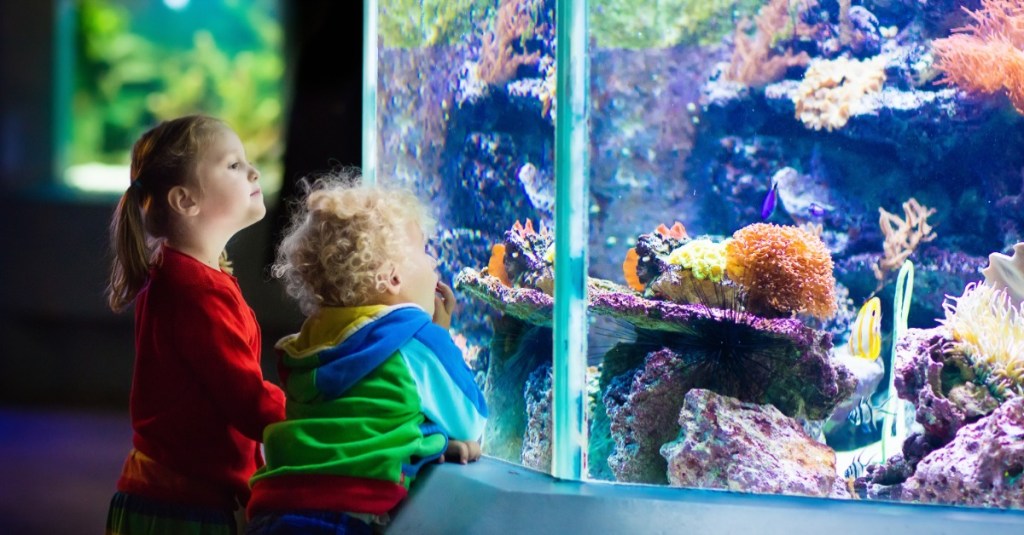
pixel 65 359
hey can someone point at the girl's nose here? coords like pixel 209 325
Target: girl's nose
pixel 254 174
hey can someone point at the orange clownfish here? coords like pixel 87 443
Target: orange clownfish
pixel 496 265
pixel 629 267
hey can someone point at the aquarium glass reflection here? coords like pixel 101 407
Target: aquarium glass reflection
pixel 803 226
pixel 138 62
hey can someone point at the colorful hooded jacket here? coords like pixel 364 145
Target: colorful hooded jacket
pixel 373 394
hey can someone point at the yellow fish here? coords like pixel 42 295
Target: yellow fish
pixel 866 334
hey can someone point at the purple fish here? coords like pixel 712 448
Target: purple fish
pixel 768 206
pixel 816 210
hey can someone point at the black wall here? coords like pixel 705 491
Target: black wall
pixel 59 344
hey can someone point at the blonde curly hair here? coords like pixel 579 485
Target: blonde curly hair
pixel 341 236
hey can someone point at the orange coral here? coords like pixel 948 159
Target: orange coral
pixel 499 59
pixel 678 231
pixel 987 56
pixel 755 62
pixel 783 269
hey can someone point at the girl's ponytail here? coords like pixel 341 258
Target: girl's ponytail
pixel 163 157
pixel 132 252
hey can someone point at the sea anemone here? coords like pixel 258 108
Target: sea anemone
pixel 986 324
pixel 783 270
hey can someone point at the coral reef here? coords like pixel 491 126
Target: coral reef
pixel 981 467
pixel 779 361
pixel 783 270
pixel 987 55
pixel 728 444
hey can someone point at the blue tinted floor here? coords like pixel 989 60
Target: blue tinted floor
pixel 58 469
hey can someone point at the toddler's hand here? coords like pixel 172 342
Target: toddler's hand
pixel 444 305
pixel 463 452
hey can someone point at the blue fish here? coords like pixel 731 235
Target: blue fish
pixel 768 206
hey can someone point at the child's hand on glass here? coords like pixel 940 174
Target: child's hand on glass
pixel 444 304
pixel 463 452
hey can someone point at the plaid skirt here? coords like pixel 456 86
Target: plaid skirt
pixel 135 515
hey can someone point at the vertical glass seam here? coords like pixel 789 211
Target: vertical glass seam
pixel 370 134
pixel 571 192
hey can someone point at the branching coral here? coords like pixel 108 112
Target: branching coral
pixel 987 56
pixel 902 236
pixel 832 90
pixel 755 61
pixel 783 270
pixel 987 325
pixel 499 59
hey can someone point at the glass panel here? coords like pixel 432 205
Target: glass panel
pixel 783 193
pixel 465 116
pixel 136 62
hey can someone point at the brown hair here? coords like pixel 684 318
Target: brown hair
pixel 165 156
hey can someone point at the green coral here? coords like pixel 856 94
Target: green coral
pixel 420 23
pixel 704 258
pixel 665 23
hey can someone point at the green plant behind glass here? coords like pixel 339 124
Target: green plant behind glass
pixel 664 23
pixel 420 23
pixel 127 79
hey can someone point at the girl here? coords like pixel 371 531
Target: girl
pixel 199 402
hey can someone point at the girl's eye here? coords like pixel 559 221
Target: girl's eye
pixel 235 165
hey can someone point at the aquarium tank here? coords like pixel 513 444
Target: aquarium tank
pixel 802 221
pixel 124 65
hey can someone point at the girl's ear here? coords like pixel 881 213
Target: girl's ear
pixel 390 279
pixel 182 201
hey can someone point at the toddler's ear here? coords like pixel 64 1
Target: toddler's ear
pixel 390 279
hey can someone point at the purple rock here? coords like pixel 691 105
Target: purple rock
pixel 941 382
pixel 727 444
pixel 982 466
pixel 537 439
pixel 643 408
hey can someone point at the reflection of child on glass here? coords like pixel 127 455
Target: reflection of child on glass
pixel 199 402
pixel 375 385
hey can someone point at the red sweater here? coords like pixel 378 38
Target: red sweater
pixel 198 401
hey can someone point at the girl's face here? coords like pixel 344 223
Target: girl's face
pixel 418 271
pixel 231 198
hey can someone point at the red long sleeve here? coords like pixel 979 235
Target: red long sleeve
pixel 199 402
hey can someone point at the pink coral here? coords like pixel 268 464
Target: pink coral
pixel 987 56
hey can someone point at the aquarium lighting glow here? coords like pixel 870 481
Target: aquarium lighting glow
pixel 176 5
pixel 97 177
